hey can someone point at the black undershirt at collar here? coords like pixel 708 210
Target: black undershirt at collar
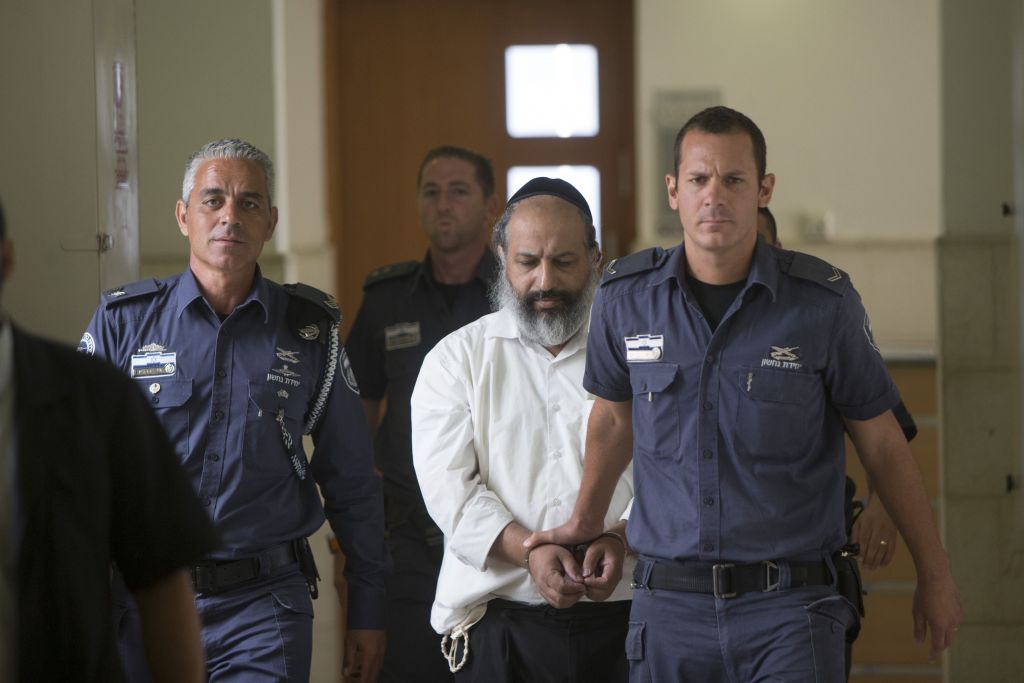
pixel 714 300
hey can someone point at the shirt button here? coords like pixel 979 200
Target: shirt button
pixel 707 405
pixel 222 373
pixel 707 454
pixel 557 453
pixel 709 360
pixel 155 400
pixel 708 547
pixel 218 415
pixel 556 502
pixel 709 501
pixel 214 457
pixel 555 408
pixel 207 501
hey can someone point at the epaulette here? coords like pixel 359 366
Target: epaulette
pixel 807 267
pixel 311 312
pixel 130 291
pixel 390 272
pixel 640 262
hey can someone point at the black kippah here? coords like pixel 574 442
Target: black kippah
pixel 556 187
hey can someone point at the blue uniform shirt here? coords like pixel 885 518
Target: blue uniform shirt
pixel 738 450
pixel 224 389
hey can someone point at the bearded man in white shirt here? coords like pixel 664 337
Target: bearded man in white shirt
pixel 499 419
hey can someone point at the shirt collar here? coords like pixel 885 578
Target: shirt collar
pixel 763 268
pixel 188 292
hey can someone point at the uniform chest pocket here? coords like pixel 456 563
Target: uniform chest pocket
pixel 170 401
pixel 778 411
pixel 264 452
pixel 656 408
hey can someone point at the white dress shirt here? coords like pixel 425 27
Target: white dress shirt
pixel 498 429
pixel 9 555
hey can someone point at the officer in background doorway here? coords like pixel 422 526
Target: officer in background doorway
pixel 407 308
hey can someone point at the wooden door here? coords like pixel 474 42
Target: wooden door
pixel 404 76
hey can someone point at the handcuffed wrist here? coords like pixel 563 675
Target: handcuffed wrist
pixel 618 537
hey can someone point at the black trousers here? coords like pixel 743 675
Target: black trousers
pixel 514 643
pixel 414 649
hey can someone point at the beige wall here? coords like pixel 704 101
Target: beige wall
pixel 847 94
pixel 205 72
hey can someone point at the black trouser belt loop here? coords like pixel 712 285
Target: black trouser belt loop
pixel 215 576
pixel 727 580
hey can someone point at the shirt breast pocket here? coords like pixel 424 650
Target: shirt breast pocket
pixel 170 401
pixel 656 408
pixel 777 411
pixel 265 453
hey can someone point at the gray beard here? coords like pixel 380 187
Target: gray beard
pixel 546 329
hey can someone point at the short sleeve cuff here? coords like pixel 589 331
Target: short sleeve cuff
pixel 887 401
pixel 604 392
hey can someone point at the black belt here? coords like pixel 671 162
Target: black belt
pixel 728 580
pixel 214 576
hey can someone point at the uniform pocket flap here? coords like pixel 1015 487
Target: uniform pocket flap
pixel 649 378
pixel 779 386
pixel 167 393
pixel 635 641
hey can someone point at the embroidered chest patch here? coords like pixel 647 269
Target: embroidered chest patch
pixel 401 336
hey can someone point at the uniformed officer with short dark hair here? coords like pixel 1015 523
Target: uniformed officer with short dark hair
pixel 728 369
pixel 238 369
pixel 407 308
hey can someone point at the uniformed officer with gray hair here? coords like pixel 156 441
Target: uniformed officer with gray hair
pixel 727 369
pixel 238 369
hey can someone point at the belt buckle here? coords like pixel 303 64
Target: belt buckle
pixel 717 572
pixel 769 584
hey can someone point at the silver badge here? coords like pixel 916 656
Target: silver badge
pixel 331 302
pixel 154 388
pixel 282 394
pixel 309 332
pixel 644 348
pixel 287 356
pixel 116 293
pixel 152 348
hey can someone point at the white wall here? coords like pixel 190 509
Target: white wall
pixel 847 94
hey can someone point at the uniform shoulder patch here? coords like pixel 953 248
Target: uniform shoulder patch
pixel 390 272
pixel 640 262
pixel 130 291
pixel 324 302
pixel 807 267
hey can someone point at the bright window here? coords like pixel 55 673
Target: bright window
pixel 551 91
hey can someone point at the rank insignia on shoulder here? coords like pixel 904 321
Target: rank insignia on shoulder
pixel 640 262
pixel 309 332
pixel 130 291
pixel 331 302
pixel 811 268
pixel 390 272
